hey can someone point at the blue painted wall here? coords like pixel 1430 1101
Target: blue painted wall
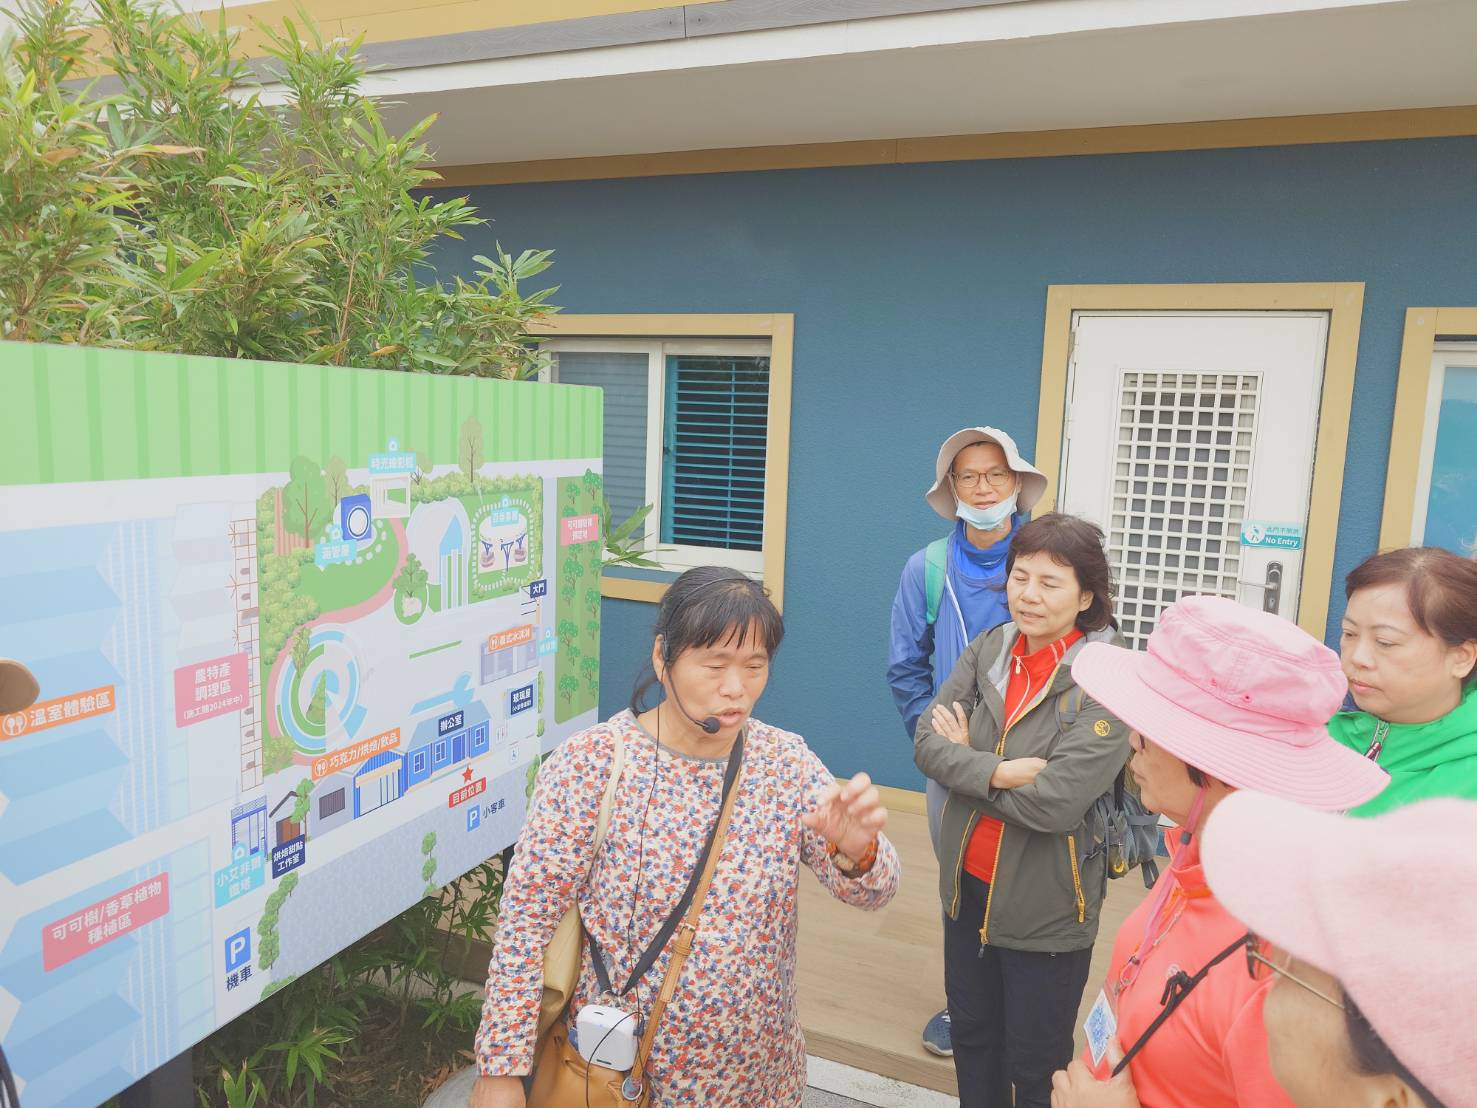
pixel 919 298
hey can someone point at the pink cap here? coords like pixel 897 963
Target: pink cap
pixel 1385 905
pixel 1241 694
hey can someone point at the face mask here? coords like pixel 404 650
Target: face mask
pixel 986 519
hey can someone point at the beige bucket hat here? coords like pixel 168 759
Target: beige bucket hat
pixel 941 496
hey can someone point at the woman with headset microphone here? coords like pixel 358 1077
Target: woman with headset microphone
pixel 699 777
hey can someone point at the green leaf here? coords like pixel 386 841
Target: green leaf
pixel 195 270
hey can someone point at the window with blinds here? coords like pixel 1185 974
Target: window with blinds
pixel 623 376
pixel 713 452
pixel 686 431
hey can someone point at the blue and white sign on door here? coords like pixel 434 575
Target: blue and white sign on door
pixel 1284 536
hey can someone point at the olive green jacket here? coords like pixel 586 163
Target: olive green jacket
pixel 1050 873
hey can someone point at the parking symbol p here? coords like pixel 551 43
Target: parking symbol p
pixel 238 950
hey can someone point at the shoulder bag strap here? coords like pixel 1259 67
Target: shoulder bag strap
pixel 669 925
pixel 935 567
pixel 607 801
pixel 683 945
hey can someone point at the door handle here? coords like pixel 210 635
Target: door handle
pixel 1272 591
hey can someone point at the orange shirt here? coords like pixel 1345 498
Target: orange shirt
pixel 1029 675
pixel 1212 1052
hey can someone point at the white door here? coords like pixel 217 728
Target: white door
pixel 1189 439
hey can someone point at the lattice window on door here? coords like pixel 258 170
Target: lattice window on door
pixel 1181 469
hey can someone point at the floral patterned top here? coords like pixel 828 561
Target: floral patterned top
pixel 731 1034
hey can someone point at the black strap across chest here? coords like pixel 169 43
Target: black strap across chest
pixel 674 918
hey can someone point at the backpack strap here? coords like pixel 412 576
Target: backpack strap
pixel 935 565
pixel 1069 706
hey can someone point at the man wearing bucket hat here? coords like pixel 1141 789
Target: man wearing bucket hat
pixel 1374 980
pixel 953 590
pixel 1225 698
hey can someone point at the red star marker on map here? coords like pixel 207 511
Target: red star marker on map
pixel 467 774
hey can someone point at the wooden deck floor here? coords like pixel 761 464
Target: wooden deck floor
pixel 870 981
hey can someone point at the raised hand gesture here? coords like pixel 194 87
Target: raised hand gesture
pixel 849 815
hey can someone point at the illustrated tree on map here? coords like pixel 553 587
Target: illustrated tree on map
pixel 303 803
pixel 428 867
pixel 318 704
pixel 301 646
pixel 410 583
pixel 336 477
pixel 469 452
pixel 578 593
pixel 305 502
pixel 317 713
pixel 266 928
pixel 541 725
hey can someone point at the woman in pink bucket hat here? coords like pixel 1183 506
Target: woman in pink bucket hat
pixel 1374 981
pixel 1225 698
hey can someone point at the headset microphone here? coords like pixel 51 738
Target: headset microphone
pixel 709 724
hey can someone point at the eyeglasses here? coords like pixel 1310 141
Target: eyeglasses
pixel 1260 965
pixel 995 478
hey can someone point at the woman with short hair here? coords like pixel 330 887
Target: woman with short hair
pixel 1409 647
pixel 1024 757
pixel 730 1035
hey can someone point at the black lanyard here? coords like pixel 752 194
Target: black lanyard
pixel 658 944
pixel 1175 990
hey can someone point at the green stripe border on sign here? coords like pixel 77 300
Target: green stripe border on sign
pixel 78 413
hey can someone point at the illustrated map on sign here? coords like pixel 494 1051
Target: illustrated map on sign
pixel 302 633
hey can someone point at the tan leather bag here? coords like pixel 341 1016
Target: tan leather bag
pixel 562 1079
pixel 562 955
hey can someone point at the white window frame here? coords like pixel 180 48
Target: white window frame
pixel 676 557
pixel 1443 356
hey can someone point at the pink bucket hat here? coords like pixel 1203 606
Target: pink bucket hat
pixel 1385 905
pixel 1241 695
pixel 941 497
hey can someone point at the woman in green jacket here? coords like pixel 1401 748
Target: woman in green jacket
pixel 1409 648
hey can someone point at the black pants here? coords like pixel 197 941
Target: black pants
pixel 1012 1011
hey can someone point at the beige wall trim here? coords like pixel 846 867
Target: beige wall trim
pixel 1344 303
pixel 402 20
pixel 1424 327
pixel 1297 130
pixel 779 329
pixel 631 588
pixel 400 34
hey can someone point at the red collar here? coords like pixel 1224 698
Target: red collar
pixel 1054 650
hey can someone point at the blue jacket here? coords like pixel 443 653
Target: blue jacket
pixel 921 656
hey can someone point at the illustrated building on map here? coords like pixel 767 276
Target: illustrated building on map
pixel 284 827
pixel 507 660
pixel 378 782
pixel 249 826
pixel 453 558
pixel 435 747
pixel 330 808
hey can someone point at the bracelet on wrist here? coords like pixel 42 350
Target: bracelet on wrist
pixel 853 867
